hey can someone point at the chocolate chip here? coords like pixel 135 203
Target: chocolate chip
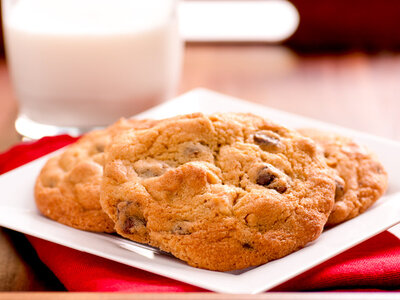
pixel 147 173
pixel 247 246
pixel 100 148
pixel 133 223
pixel 265 177
pixel 379 169
pixel 280 189
pixel 50 182
pixel 192 151
pixel 339 190
pixel 150 168
pixel 130 217
pixel 265 141
pixel 272 179
pixel 181 229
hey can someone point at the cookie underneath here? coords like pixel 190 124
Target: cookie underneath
pixel 360 178
pixel 67 189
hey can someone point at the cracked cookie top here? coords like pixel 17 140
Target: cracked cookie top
pixel 67 189
pixel 359 177
pixel 221 192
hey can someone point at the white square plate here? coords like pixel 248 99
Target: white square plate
pixel 18 211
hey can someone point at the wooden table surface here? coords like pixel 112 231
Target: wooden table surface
pixel 355 90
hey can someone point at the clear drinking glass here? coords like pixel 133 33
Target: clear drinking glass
pixel 79 64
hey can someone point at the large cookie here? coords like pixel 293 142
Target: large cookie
pixel 222 192
pixel 67 189
pixel 360 178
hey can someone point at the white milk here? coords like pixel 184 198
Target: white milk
pixel 89 62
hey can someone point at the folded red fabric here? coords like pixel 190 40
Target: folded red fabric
pixel 371 265
pixel 23 153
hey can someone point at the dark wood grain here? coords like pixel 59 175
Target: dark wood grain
pixel 354 90
pixel 21 269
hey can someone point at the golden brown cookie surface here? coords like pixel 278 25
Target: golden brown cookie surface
pixel 360 178
pixel 222 192
pixel 67 189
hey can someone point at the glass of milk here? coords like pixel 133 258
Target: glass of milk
pixel 79 64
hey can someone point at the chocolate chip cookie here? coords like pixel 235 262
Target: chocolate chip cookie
pixel 67 189
pixel 360 178
pixel 221 192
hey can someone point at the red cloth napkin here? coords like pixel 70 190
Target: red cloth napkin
pixel 372 265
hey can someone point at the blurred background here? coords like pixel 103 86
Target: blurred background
pixel 323 26
pixel 320 58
